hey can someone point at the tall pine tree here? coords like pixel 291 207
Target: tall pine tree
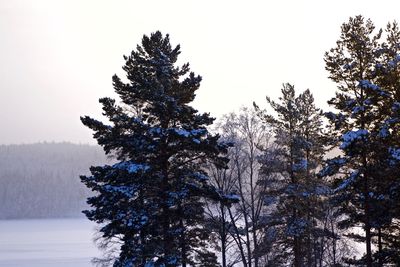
pixel 151 201
pixel 290 170
pixel 387 72
pixel 359 130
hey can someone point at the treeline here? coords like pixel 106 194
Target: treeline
pixel 42 180
pixel 298 204
pixel 285 185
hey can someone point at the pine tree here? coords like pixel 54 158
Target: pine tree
pixel 387 72
pixel 315 190
pixel 152 200
pixel 357 130
pixel 290 171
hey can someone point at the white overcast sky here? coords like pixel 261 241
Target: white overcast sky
pixel 57 57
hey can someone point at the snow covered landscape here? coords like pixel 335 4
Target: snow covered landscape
pixel 47 242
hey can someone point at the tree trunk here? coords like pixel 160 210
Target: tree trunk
pixel 380 248
pixel 167 246
pixel 296 246
pixel 183 243
pixel 368 243
pixel 333 244
pixel 142 234
pixel 165 220
pixel 297 262
pixel 310 213
pixel 248 245
pixel 367 224
pixel 223 236
pixel 245 216
pixel 252 204
pixel 237 239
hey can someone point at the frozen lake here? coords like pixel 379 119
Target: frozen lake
pixel 47 242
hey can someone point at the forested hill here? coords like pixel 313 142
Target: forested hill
pixel 42 180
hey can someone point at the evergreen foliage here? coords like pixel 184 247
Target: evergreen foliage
pixel 152 200
pixel 277 202
pixel 364 65
pixel 387 210
pixel 290 170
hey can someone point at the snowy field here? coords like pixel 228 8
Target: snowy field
pixel 47 242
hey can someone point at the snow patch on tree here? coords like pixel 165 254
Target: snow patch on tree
pixel 396 106
pixel 351 136
pixel 347 182
pixel 131 167
pixel 394 153
pixel 384 131
pixel 296 227
pixel 300 166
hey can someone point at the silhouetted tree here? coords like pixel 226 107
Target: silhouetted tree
pixel 152 199
pixel 290 171
pixel 364 127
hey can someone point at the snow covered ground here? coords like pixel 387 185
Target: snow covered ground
pixel 47 242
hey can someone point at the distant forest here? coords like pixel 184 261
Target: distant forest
pixel 42 180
